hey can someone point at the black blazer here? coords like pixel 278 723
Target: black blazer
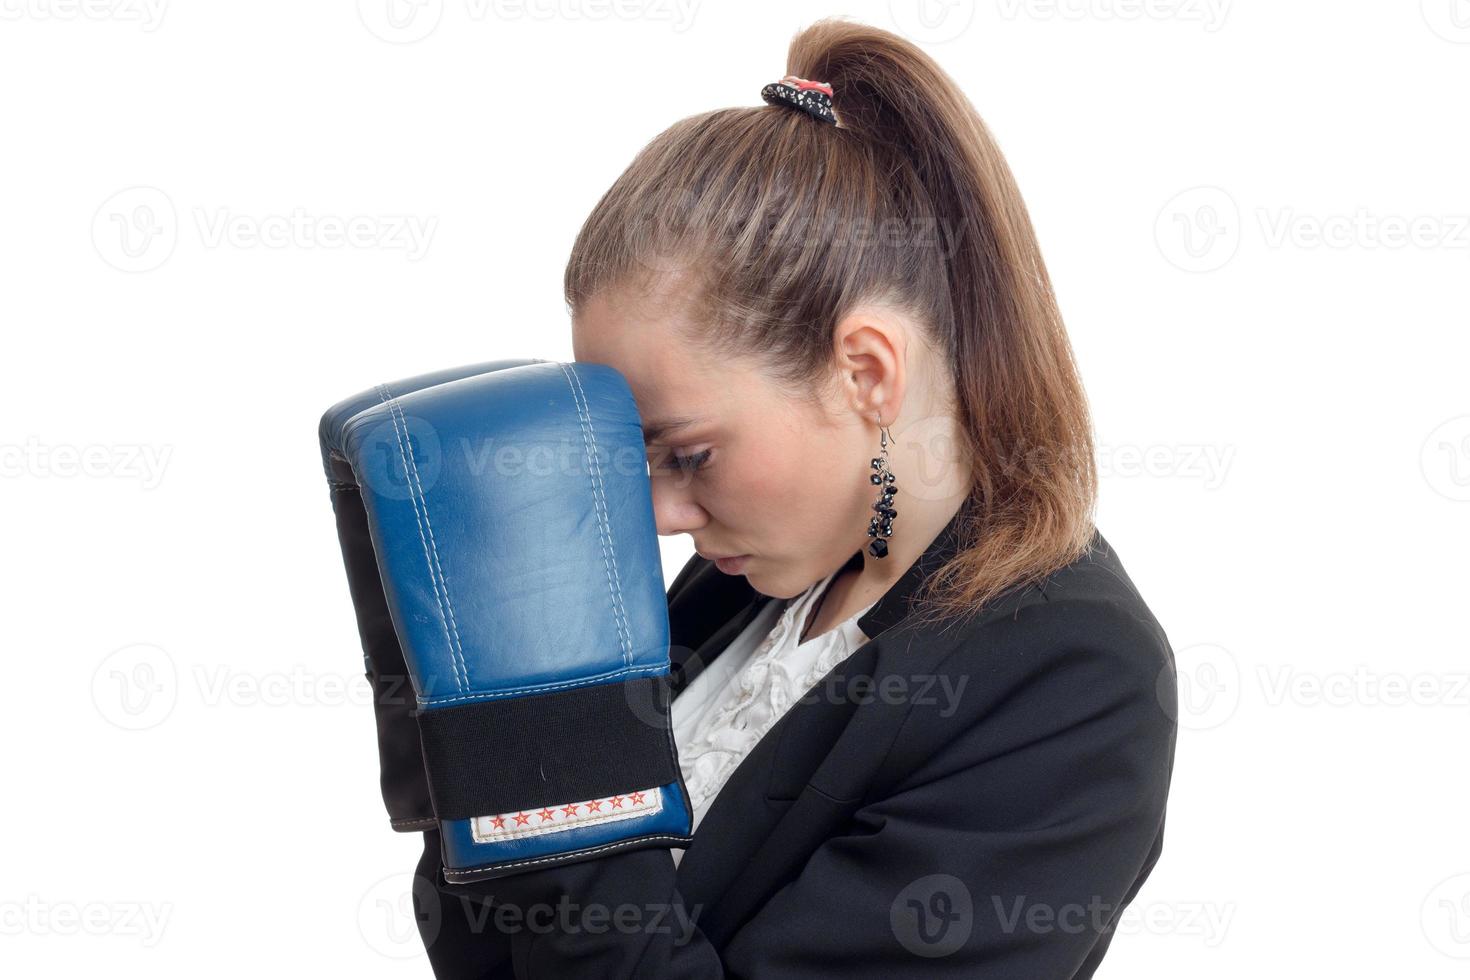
pixel 975 798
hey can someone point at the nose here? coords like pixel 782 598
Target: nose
pixel 674 509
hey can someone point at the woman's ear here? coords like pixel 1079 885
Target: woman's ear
pixel 871 346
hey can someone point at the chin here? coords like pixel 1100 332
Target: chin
pixel 773 589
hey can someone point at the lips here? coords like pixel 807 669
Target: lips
pixel 733 565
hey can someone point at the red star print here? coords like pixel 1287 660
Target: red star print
pixel 546 815
pixel 570 809
pixel 636 797
pixel 499 823
pixel 616 801
pixel 594 804
pixel 522 818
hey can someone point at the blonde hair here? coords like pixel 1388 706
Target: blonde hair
pixel 752 213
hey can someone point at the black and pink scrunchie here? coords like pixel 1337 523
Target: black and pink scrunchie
pixel 808 96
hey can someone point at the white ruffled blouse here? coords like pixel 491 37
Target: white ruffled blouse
pixel 744 691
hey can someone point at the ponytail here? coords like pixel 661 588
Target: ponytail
pixel 727 187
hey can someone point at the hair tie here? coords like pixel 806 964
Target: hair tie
pixel 808 96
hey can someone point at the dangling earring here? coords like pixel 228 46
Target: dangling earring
pixel 881 526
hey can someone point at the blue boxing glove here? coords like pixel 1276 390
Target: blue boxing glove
pixel 511 523
pixel 402 781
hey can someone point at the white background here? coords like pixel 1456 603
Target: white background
pixel 1256 217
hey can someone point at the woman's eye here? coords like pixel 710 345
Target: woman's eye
pixel 687 463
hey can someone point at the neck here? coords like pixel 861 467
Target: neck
pixel 857 588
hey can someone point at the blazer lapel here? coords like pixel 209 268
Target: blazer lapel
pixel 707 611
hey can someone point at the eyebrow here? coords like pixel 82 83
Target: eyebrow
pixel 663 427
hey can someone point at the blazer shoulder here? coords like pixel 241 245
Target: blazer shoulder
pixel 1067 673
pixel 1081 597
pixel 1081 641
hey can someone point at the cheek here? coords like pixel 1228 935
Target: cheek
pixel 793 483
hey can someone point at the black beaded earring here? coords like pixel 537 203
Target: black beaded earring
pixel 881 526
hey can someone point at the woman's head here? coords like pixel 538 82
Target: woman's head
pixel 796 284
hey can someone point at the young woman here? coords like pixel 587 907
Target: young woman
pixel 925 720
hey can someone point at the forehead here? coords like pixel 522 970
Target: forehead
pixel 642 339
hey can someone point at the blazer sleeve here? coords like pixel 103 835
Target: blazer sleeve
pixel 1029 810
